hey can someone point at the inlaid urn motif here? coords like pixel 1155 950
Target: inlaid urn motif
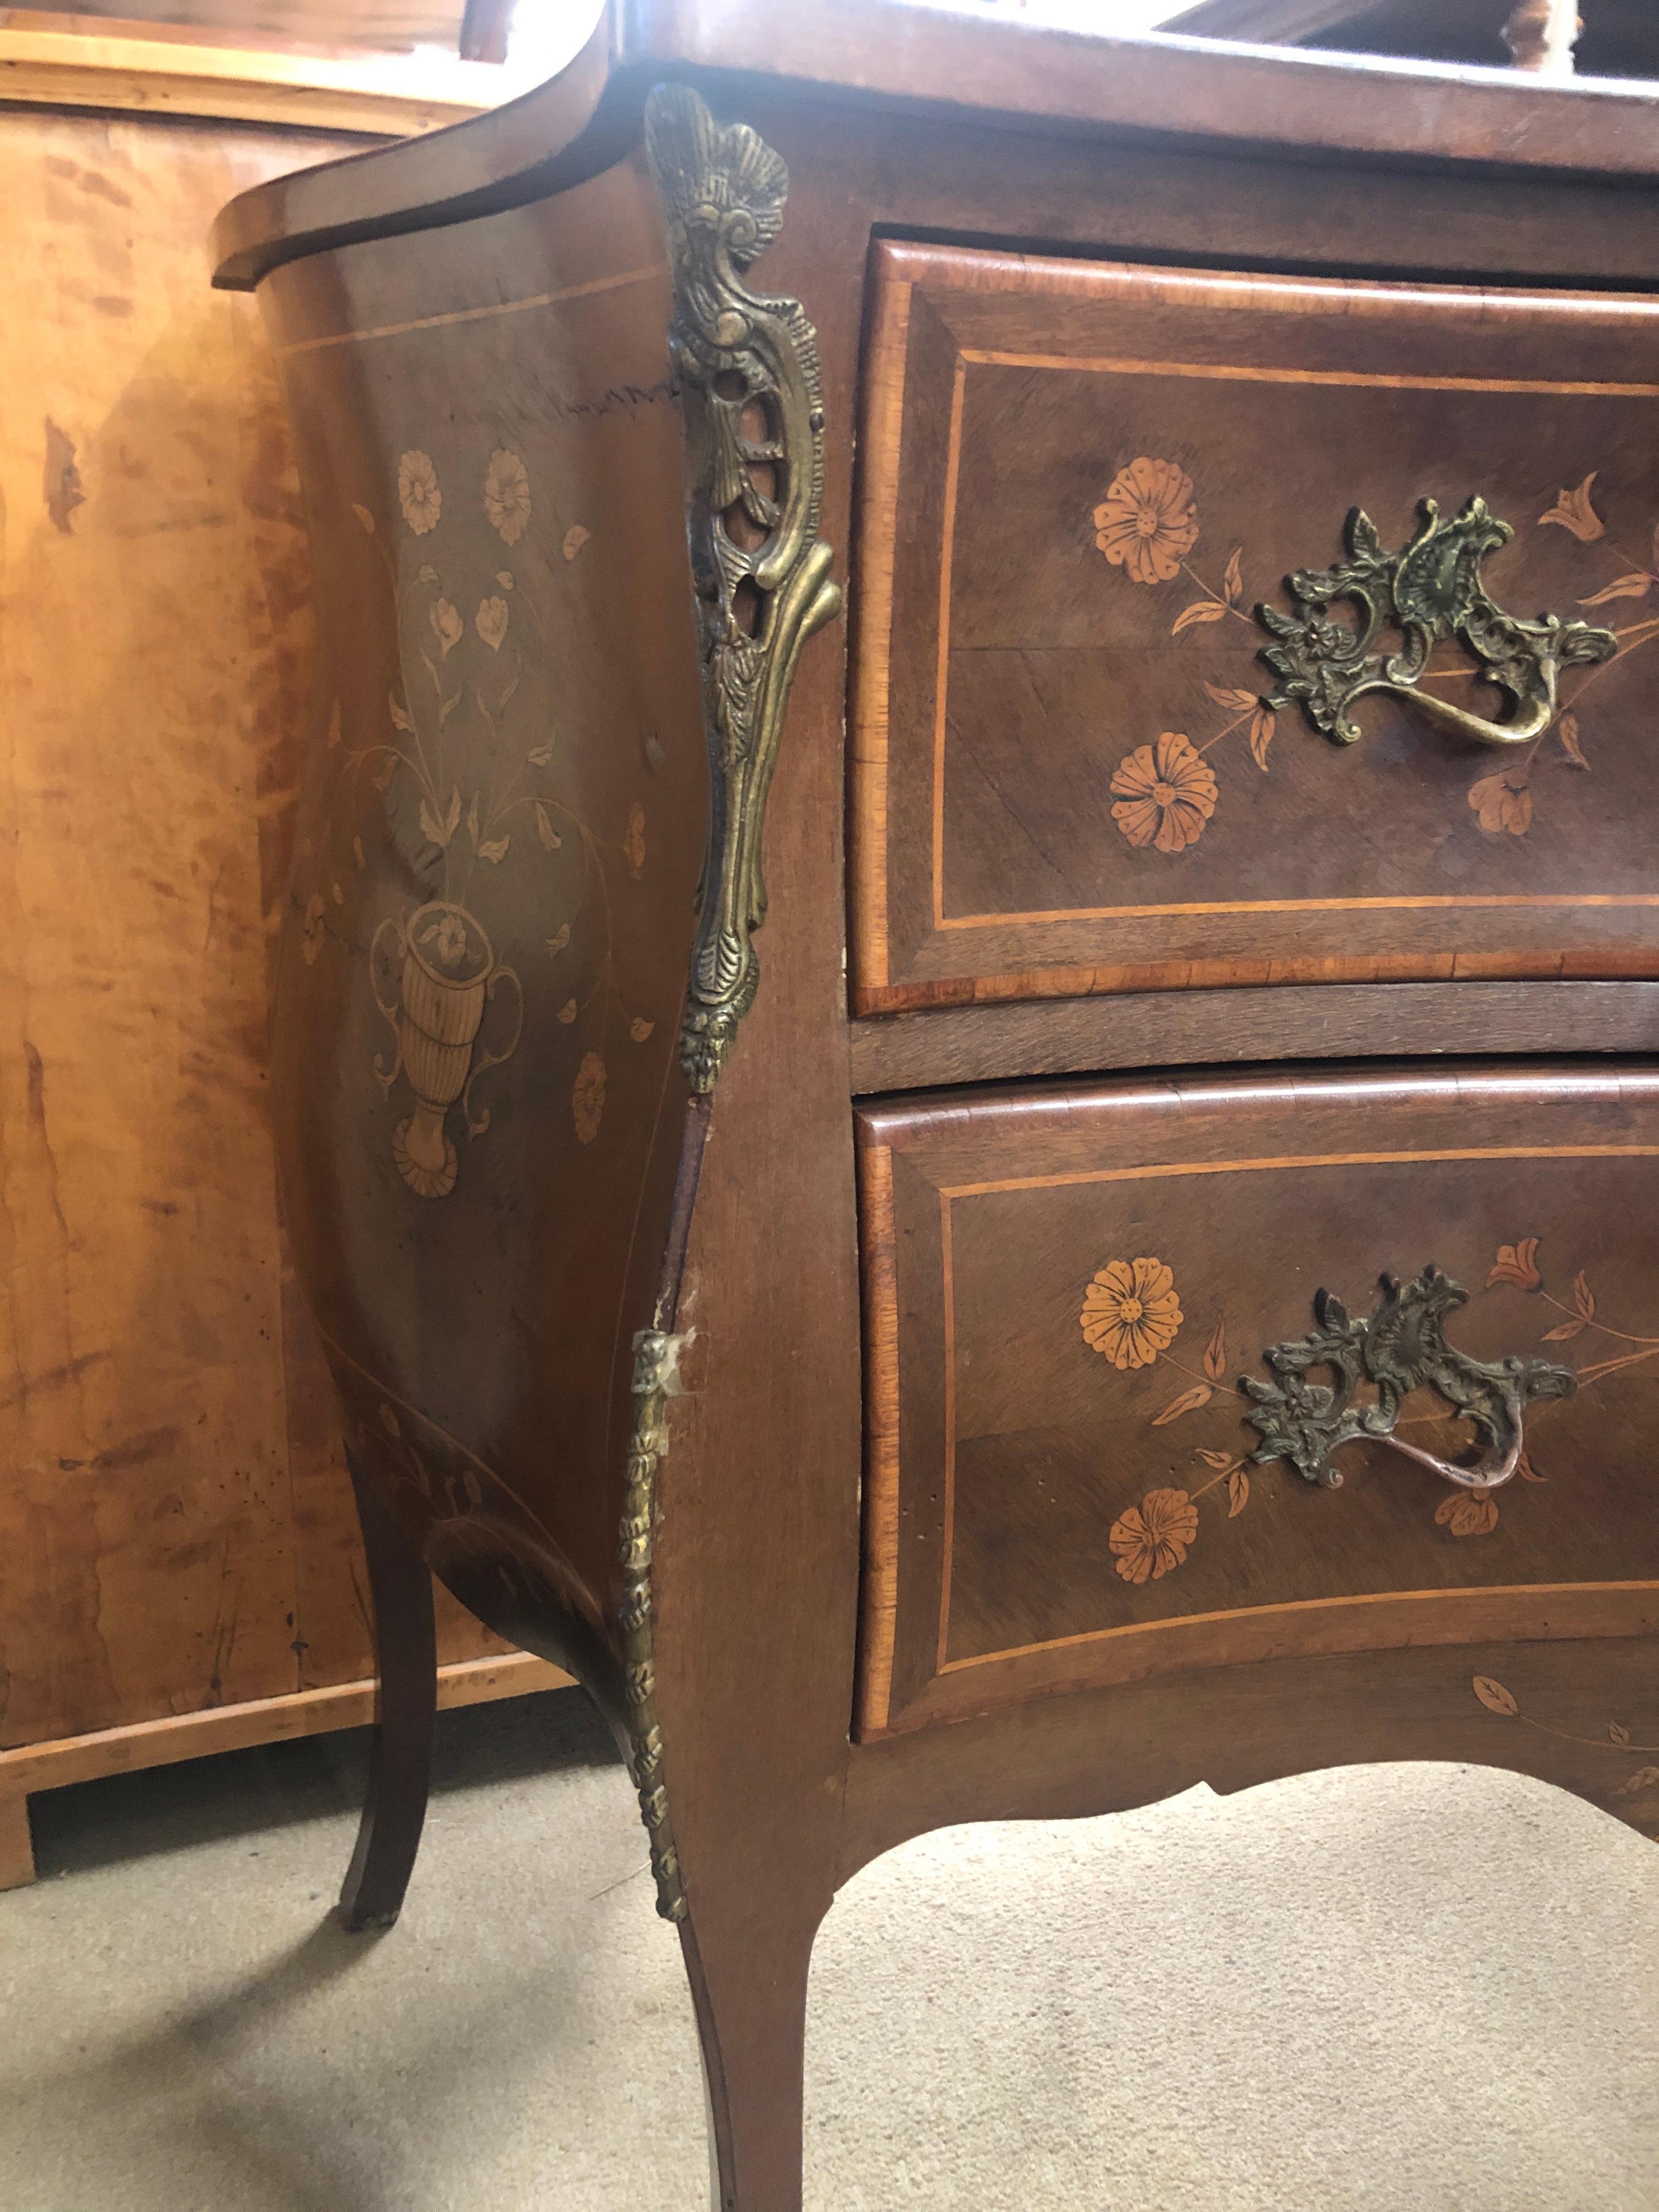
pixel 448 976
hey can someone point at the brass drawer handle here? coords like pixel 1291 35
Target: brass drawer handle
pixel 1430 590
pixel 1399 1349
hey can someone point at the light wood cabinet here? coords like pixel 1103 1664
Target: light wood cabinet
pixel 179 1567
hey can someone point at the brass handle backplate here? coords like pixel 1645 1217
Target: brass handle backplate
pixel 1400 1348
pixel 1428 591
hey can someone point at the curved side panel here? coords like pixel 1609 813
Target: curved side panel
pixel 484 945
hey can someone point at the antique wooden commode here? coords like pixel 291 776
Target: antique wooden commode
pixel 1241 472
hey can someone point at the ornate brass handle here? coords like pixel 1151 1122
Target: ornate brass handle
pixel 1430 590
pixel 1399 1349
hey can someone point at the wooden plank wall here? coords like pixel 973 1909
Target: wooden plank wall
pixel 175 1529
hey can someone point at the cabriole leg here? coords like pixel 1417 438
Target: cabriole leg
pixel 748 1958
pixel 394 1811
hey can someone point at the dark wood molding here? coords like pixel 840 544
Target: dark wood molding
pixel 1175 1029
pixel 1022 74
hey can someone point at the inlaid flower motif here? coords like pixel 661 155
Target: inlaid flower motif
pixel 506 495
pixel 1146 524
pixel 1153 1537
pixel 448 938
pixel 446 621
pixel 587 1100
pixel 418 494
pixel 311 932
pixel 490 622
pixel 1165 794
pixel 1503 802
pixel 1572 511
pixel 1131 1312
pixel 1517 1264
pixel 1469 1513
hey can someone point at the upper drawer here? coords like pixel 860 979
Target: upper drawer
pixel 1079 481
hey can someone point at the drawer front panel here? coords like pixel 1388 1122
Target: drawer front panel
pixel 1078 482
pixel 1063 1289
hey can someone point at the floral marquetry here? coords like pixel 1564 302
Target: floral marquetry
pixel 1131 1312
pixel 1146 525
pixel 465 764
pixel 506 495
pixel 1152 1538
pixel 1132 1316
pixel 418 495
pixel 1165 794
pixel 1573 511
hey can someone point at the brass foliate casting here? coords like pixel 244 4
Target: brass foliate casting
pixel 748 371
pixel 656 1367
pixel 1428 591
pixel 1400 1348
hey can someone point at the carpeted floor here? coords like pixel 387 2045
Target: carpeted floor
pixel 1409 1988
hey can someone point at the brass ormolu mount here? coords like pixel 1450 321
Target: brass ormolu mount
pixel 1401 1347
pixel 748 370
pixel 1428 591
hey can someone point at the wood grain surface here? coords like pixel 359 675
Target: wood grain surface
pixel 1169 1028
pixel 921 64
pixel 1585 1718
pixel 58 60
pixel 175 1531
pixel 502 801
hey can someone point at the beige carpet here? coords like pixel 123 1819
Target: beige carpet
pixel 1402 1989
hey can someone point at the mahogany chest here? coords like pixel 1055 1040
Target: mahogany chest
pixel 968 1010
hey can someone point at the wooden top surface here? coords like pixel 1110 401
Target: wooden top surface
pixel 1037 69
pixel 168 69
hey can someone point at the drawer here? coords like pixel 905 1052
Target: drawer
pixel 1079 482
pixel 1063 1288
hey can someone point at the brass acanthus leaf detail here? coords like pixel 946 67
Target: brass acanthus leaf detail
pixel 747 367
pixel 1400 1348
pixel 1429 591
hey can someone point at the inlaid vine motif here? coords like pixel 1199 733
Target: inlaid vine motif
pixel 1642 1785
pixel 1165 790
pixel 1132 1316
pixel 486 787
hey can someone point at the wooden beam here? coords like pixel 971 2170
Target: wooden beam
pixel 16 1847
pixel 73 1758
pixel 108 63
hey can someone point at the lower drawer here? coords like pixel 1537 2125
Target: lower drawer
pixel 1064 1286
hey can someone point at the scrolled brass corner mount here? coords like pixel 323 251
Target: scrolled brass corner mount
pixel 1429 591
pixel 752 392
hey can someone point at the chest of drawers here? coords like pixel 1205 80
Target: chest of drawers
pixel 844 1166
